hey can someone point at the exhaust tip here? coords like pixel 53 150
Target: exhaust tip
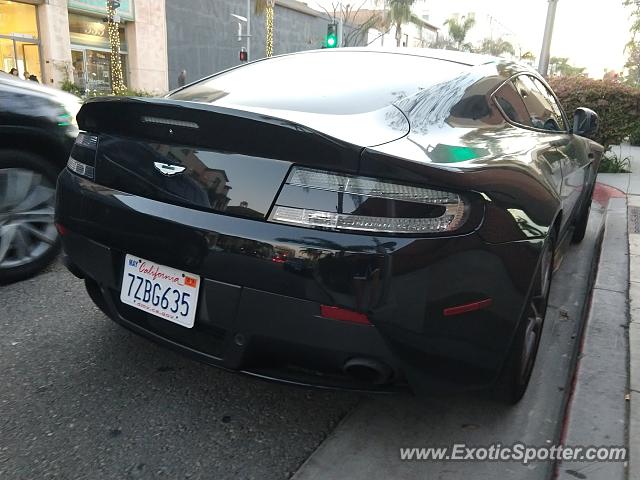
pixel 368 370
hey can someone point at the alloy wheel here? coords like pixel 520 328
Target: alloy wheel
pixel 536 314
pixel 27 231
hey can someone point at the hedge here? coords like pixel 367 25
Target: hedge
pixel 617 105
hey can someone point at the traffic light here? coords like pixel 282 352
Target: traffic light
pixel 244 56
pixel 331 40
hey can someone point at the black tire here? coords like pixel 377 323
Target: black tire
pixel 10 160
pixel 518 367
pixel 580 225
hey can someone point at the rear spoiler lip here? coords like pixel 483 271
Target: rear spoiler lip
pixel 219 128
pixel 365 130
pixel 181 104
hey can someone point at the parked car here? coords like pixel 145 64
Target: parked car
pixel 37 131
pixel 425 192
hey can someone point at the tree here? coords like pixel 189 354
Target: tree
pixel 633 47
pixel 266 8
pixel 560 66
pixel 632 76
pixel 117 83
pixel 459 28
pixel 359 21
pixel 399 13
pixel 495 47
pixel 443 43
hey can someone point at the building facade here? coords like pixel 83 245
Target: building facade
pixel 202 36
pixel 62 41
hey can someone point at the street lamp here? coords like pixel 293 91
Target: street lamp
pixel 244 54
pixel 543 66
pixel 240 19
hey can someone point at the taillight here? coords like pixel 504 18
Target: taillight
pixel 320 199
pixel 83 155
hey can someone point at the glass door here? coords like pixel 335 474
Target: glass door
pixel 79 69
pixel 7 55
pixel 28 57
pixel 92 69
pixel 98 71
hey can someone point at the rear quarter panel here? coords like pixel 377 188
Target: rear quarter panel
pixel 460 140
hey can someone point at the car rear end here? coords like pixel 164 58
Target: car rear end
pixel 258 244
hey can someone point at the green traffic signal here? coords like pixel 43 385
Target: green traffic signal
pixel 331 40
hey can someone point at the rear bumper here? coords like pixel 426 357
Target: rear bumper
pixel 263 317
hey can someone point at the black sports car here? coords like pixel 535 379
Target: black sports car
pixel 350 218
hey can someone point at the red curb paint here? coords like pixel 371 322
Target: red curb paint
pixel 602 193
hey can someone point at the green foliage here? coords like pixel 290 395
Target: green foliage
pixel 632 76
pixel 70 87
pixel 617 105
pixel 127 93
pixel 612 163
pixel 634 137
pixel 560 66
pixel 495 47
pixel 443 43
pixel 635 15
pixel 633 47
pixel 459 28
pixel 399 13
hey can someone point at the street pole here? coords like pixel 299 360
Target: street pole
pixel 249 57
pixel 543 66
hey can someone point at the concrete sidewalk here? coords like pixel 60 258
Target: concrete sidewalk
pixel 628 183
pixel 622 307
pixel 597 411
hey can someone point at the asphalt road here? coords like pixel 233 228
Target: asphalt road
pixel 82 398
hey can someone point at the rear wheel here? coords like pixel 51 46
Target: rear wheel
pixel 580 227
pixel 524 349
pixel 28 237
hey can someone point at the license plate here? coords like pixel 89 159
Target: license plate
pixel 160 290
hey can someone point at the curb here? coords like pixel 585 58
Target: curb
pixel 596 412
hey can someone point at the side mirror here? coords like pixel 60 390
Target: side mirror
pixel 585 122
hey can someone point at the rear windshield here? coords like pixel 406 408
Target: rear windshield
pixel 336 82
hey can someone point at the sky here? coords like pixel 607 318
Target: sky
pixel 591 33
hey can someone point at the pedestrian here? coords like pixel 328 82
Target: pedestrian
pixel 26 75
pixel 182 78
pixel 33 78
pixel 14 72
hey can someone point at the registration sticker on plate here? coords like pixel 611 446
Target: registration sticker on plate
pixel 160 290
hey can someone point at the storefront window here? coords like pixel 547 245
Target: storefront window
pixel 18 19
pixel 7 54
pixel 91 54
pixel 19 45
pixel 92 70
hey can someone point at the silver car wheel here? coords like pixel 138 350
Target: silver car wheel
pixel 27 231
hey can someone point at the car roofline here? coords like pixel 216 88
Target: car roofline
pixel 430 53
pixel 462 58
